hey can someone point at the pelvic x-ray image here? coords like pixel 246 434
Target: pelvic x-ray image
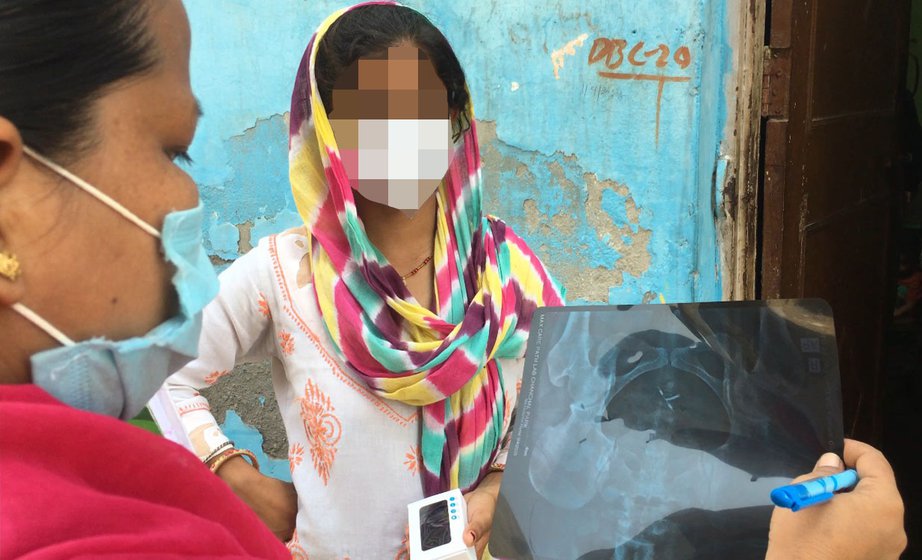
pixel 658 431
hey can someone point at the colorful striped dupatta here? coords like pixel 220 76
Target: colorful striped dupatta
pixel 488 284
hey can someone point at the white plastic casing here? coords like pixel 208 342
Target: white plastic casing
pixel 456 513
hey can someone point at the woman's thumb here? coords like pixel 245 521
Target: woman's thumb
pixel 829 463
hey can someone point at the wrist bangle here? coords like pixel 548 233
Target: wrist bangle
pixel 497 467
pixel 217 451
pixel 230 454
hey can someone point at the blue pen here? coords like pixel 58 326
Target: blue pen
pixel 810 492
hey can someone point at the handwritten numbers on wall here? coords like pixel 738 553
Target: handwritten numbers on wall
pixel 613 53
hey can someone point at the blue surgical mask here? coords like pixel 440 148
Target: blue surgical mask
pixel 117 378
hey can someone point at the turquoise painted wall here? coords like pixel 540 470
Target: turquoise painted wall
pixel 612 179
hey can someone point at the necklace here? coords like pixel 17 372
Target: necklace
pixel 417 269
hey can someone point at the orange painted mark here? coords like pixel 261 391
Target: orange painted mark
pixel 647 77
pixel 606 48
pixel 683 57
pixel 632 56
pixel 662 81
pixel 663 59
pixel 611 51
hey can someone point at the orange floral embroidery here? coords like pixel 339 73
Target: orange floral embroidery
pixel 518 386
pixel 297 551
pixel 295 455
pixel 263 305
pixel 413 459
pixel 286 342
pixel 322 427
pixel 404 552
pixel 212 377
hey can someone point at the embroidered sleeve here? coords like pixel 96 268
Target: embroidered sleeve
pixel 236 328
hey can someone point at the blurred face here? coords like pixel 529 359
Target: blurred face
pixel 392 125
pixel 85 268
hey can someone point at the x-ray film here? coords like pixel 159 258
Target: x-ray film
pixel 658 431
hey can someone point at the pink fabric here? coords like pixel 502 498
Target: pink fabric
pixel 75 483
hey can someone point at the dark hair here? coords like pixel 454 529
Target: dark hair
pixel 58 56
pixel 369 30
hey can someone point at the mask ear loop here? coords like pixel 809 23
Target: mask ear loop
pixel 36 320
pixel 93 191
pixel 27 313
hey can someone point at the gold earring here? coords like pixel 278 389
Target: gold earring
pixel 9 266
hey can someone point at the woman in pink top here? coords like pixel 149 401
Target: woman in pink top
pixel 99 242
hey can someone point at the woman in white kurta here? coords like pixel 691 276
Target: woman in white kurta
pixel 395 319
pixel 354 456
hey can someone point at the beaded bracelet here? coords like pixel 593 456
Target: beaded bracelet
pixel 213 458
pixel 230 454
pixel 497 467
pixel 217 451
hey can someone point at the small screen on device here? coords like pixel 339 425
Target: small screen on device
pixel 434 529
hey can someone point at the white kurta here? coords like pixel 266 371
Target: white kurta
pixel 354 456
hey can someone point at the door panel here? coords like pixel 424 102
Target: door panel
pixel 855 53
pixel 832 245
pixel 828 183
pixel 849 171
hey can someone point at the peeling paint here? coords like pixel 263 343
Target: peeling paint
pixel 256 201
pixel 589 249
pixel 223 239
pixel 558 56
pixel 593 285
pixel 285 117
pixel 268 225
pixel 247 436
pixel 635 255
pixel 246 242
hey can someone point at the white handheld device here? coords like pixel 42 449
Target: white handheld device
pixel 437 528
pixel 167 419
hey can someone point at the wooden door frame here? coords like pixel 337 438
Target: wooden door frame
pixel 738 220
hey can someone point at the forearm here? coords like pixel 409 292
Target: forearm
pixel 490 484
pixel 274 501
pixel 240 475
